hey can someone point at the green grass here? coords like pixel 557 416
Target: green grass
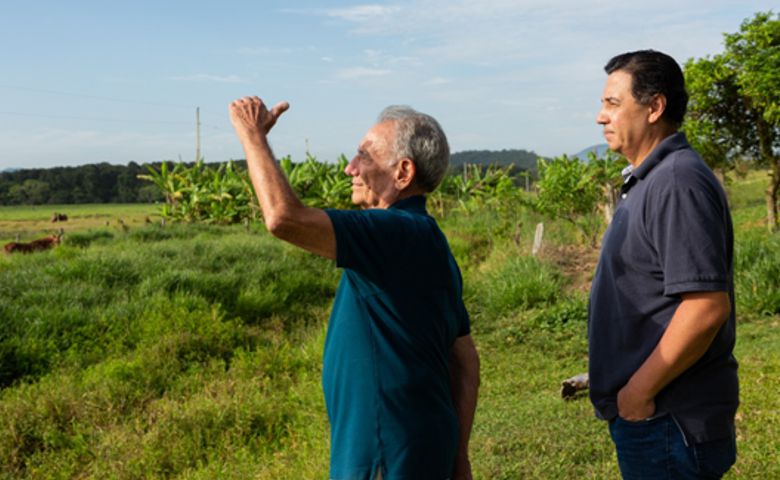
pixel 758 418
pixel 34 221
pixel 194 352
pixel 159 355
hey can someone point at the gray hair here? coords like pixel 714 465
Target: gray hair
pixel 420 138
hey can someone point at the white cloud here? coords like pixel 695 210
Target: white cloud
pixel 436 81
pixel 204 77
pixel 362 13
pixel 362 72
pixel 274 50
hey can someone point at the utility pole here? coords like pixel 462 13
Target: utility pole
pixel 197 134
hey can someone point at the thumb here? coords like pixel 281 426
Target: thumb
pixel 279 109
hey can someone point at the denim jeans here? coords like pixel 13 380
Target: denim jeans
pixel 656 449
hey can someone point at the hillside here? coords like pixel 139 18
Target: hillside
pixel 522 159
pixel 599 150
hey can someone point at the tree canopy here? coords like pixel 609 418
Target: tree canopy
pixel 734 108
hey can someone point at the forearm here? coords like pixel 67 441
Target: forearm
pixel 464 384
pixel 464 396
pixel 284 214
pixel 687 338
pixel 274 193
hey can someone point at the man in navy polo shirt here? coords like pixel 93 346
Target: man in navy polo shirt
pixel 661 316
pixel 400 370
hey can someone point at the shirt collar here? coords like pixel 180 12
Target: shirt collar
pixel 414 203
pixel 675 141
pixel 626 172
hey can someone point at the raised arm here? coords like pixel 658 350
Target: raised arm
pixel 285 216
pixel 464 383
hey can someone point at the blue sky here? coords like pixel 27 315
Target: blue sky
pixel 93 81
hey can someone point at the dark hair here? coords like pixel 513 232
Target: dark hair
pixel 653 73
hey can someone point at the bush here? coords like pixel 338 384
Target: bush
pixel 518 283
pixel 757 273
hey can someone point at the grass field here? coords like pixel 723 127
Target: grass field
pixel 192 351
pixel 34 221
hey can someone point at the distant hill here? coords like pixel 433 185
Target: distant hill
pixel 522 159
pixel 600 150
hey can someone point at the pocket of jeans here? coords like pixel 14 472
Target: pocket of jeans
pixel 646 421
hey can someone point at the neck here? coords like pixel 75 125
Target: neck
pixel 397 196
pixel 652 140
pixel 409 192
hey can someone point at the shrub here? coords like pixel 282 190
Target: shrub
pixel 518 283
pixel 757 273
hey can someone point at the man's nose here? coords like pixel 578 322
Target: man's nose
pixel 351 169
pixel 601 118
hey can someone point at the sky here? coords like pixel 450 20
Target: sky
pixel 95 81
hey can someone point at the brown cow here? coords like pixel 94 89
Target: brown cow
pixel 38 245
pixel 59 217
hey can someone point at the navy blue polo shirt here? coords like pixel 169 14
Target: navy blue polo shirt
pixel 397 313
pixel 671 234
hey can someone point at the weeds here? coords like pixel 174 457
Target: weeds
pixel 194 351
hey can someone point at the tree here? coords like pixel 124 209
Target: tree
pixel 573 190
pixel 734 108
pixel 30 192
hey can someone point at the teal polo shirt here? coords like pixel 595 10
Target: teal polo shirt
pixel 397 312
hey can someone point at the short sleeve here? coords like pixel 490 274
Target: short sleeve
pixel 367 241
pixel 690 228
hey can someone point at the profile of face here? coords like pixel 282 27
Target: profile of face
pixel 373 170
pixel 626 122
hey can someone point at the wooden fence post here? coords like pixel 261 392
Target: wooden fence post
pixel 538 239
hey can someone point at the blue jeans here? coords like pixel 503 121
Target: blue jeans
pixel 656 449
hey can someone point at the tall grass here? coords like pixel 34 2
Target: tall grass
pixel 194 351
pixel 147 356
pixel 757 272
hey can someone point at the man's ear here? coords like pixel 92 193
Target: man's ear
pixel 405 171
pixel 657 107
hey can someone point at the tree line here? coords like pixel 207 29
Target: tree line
pixel 94 183
pixel 107 183
pixel 520 160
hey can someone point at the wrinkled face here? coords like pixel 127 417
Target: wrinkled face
pixel 625 121
pixel 373 184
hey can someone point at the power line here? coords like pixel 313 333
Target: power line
pixel 98 119
pixel 95 97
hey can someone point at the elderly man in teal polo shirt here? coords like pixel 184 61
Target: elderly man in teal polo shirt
pixel 400 370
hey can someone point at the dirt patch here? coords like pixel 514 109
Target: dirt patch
pixel 577 262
